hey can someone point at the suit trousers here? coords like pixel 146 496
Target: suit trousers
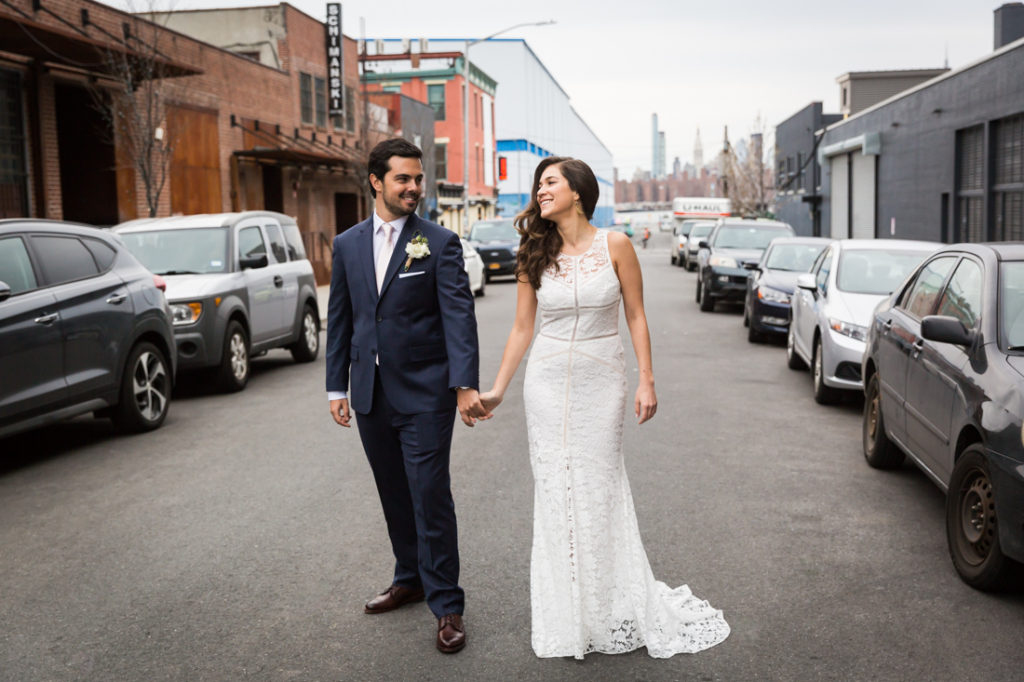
pixel 409 455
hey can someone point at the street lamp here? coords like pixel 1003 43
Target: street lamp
pixel 465 112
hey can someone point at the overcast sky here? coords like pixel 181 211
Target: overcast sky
pixel 695 63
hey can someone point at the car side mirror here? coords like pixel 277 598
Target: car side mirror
pixel 752 266
pixel 5 291
pixel 945 329
pixel 703 243
pixel 253 262
pixel 806 281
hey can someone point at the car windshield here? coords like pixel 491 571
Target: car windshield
pixel 874 271
pixel 685 227
pixel 701 230
pixel 747 236
pixel 792 257
pixel 493 230
pixel 180 252
pixel 1011 303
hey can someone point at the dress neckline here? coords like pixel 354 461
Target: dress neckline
pixel 593 243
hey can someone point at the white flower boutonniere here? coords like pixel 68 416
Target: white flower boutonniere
pixel 416 248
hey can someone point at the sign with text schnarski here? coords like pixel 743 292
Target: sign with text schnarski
pixel 335 61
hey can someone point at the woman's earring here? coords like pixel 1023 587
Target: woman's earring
pixel 579 209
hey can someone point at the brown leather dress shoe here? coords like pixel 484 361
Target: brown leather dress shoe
pixel 451 634
pixel 393 597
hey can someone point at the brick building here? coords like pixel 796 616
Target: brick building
pixel 240 133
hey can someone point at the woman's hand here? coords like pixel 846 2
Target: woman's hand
pixel 646 403
pixel 490 399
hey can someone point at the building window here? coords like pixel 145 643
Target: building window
pixel 970 188
pixel 306 97
pixel 1008 183
pixel 350 110
pixel 440 161
pixel 13 169
pixel 320 89
pixel 435 98
pixel 799 171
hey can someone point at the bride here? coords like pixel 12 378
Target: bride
pixel 591 586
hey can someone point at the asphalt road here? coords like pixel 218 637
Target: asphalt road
pixel 241 539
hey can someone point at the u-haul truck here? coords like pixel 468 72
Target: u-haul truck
pixel 699 208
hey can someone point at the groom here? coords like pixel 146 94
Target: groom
pixel 401 325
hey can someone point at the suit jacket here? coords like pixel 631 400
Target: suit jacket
pixel 422 326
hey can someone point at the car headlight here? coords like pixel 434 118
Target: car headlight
pixel 723 262
pixel 185 313
pixel 772 295
pixel 854 331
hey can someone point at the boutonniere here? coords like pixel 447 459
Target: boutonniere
pixel 416 248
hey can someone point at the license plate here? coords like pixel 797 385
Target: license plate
pixel 494 266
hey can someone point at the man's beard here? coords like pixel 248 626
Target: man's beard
pixel 397 207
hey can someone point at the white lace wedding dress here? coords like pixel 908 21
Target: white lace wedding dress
pixel 591 586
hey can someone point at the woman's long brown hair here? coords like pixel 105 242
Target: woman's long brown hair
pixel 540 242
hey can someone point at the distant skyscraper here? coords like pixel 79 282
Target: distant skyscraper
pixel 655 147
pixel 662 166
pixel 698 153
pixel 677 167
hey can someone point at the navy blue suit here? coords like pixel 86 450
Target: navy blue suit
pixel 422 329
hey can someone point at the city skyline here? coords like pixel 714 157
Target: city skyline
pixel 701 68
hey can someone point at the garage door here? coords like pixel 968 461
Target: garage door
pixel 840 207
pixel 863 199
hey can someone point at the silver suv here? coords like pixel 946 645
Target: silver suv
pixel 238 285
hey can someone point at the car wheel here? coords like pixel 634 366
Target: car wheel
pixel 972 529
pixel 793 361
pixel 673 258
pixel 483 285
pixel 823 394
pixel 233 373
pixel 879 451
pixel 707 304
pixel 308 345
pixel 487 277
pixel 697 297
pixel 753 336
pixel 145 390
pixel 690 265
pixel 746 313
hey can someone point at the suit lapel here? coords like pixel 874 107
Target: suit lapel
pixel 366 248
pixel 398 256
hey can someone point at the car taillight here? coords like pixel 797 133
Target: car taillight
pixel 160 283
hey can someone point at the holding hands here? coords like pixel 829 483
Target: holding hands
pixel 471 408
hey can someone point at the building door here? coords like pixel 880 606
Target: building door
pixel 346 211
pixel 862 199
pixel 13 178
pixel 273 192
pixel 85 149
pixel 195 161
pixel 840 196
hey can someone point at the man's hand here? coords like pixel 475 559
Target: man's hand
pixel 339 410
pixel 470 407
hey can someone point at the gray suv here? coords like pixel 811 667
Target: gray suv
pixel 238 284
pixel 83 328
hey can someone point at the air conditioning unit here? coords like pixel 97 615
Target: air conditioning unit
pixel 424 46
pixel 378 46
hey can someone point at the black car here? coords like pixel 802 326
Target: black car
pixel 497 242
pixel 772 281
pixel 83 327
pixel 944 383
pixel 734 246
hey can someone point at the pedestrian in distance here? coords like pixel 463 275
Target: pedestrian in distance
pixel 401 329
pixel 591 585
pixel 646 235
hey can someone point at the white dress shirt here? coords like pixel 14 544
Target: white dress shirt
pixel 378 243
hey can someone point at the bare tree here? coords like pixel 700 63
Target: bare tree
pixel 748 174
pixel 134 101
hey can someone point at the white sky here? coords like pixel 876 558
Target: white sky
pixel 696 63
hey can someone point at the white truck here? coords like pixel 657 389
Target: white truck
pixel 699 208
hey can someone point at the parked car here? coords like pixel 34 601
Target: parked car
pixel 680 232
pixel 497 242
pixel 474 268
pixel 772 281
pixel 833 303
pixel 84 327
pixel 944 371
pixel 238 284
pixel 727 254
pixel 699 232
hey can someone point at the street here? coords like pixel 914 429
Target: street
pixel 241 539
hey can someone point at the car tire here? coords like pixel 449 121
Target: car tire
pixel 823 394
pixel 697 297
pixel 483 285
pixel 707 304
pixel 674 259
pixel 793 360
pixel 145 393
pixel 753 336
pixel 879 451
pixel 308 345
pixel 972 530
pixel 690 266
pixel 487 277
pixel 746 314
pixel 233 373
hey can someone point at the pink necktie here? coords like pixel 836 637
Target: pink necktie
pixel 384 257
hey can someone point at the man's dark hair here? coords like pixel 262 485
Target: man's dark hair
pixel 380 155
